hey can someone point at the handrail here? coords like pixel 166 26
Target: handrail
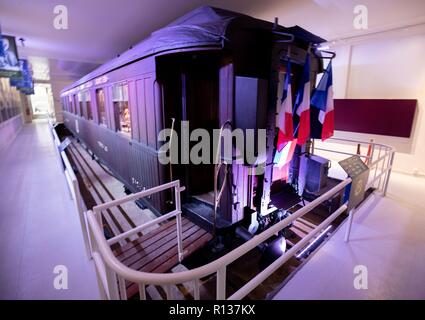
pixel 138 195
pixel 73 187
pixel 217 167
pixel 112 274
pixel 140 228
pixel 263 275
pixel 384 159
pixel 217 265
pixel 363 142
pixel 342 152
pixel 97 210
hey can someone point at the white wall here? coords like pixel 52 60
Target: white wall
pixel 387 68
pixel 9 129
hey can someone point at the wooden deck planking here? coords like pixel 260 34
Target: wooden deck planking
pixel 157 252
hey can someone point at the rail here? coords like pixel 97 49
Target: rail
pixel 73 187
pixel 113 274
pixel 219 163
pixel 379 157
pixel 176 213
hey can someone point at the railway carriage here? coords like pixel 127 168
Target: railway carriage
pixel 213 68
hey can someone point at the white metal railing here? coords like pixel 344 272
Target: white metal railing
pixel 73 187
pixel 379 157
pixel 112 274
pixel 97 210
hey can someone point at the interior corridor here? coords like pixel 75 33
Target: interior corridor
pixel 39 226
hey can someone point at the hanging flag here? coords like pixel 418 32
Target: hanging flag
pixel 322 99
pixel 284 117
pixel 282 160
pixel 302 104
pixel 284 156
pixel 1 46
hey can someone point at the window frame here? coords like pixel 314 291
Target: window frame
pixel 105 107
pixel 88 103
pixel 115 121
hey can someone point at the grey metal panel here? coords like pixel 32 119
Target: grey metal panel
pixel 141 106
pixel 68 121
pixel 132 95
pixel 150 112
pixel 136 164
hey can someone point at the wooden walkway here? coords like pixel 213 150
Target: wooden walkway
pixel 156 251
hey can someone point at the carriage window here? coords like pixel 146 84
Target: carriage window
pixel 88 106
pixel 121 108
pixel 77 105
pixel 71 104
pixel 81 103
pixel 63 104
pixel 100 101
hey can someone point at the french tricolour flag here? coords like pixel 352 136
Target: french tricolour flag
pixel 302 104
pixel 284 117
pixel 323 99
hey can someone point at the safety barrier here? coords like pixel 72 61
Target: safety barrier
pixel 73 187
pixel 112 274
pixel 379 157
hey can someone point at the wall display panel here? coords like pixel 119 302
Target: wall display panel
pixel 389 117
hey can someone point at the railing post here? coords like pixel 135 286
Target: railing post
pixel 98 216
pixel 111 279
pixel 142 291
pixel 349 223
pixel 169 292
pixel 383 160
pixel 376 166
pixel 93 243
pixel 179 221
pixel 387 177
pixel 372 152
pixel 81 216
pixel 103 291
pixel 196 294
pixel 123 289
pixel 221 284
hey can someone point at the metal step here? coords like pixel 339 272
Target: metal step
pixel 202 213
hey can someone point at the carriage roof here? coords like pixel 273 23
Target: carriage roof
pixel 203 27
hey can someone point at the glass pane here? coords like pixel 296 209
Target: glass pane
pixel 121 108
pixel 82 112
pixel 88 106
pixel 100 100
pixel 71 107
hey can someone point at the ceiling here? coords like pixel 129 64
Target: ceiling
pixel 101 29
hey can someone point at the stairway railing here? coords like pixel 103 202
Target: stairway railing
pixel 112 274
pixel 219 163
